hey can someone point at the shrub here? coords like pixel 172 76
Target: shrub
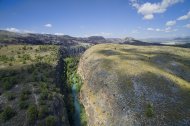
pixel 50 120
pixel 4 58
pixel 23 105
pixel 26 91
pixel 44 95
pixel 12 58
pixel 24 48
pixel 42 102
pixel 24 94
pixel 7 85
pixel 149 110
pixel 7 114
pixel 23 97
pixel 10 64
pixel 83 116
pixel 18 52
pixel 26 57
pixel 10 96
pixel 43 111
pixel 32 113
pixel 24 62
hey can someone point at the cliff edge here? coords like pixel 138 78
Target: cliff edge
pixel 135 85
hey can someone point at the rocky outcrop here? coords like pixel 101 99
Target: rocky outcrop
pixel 135 85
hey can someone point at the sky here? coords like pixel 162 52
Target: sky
pixel 108 18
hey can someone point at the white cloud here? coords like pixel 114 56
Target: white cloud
pixel 149 9
pixel 170 23
pixel 187 25
pixel 19 30
pixel 134 31
pixel 158 30
pixel 59 34
pixel 48 25
pixel 27 31
pixel 168 29
pixel 150 29
pixel 105 34
pixel 148 17
pixel 185 17
pixel 12 29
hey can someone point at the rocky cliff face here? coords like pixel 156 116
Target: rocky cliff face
pixel 135 85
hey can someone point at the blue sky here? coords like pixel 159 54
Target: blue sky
pixel 108 18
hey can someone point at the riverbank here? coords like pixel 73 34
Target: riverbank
pixel 76 109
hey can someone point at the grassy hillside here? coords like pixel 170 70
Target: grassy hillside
pixel 28 92
pixel 136 85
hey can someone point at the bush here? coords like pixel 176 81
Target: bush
pixel 149 110
pixel 24 94
pixel 10 64
pixel 42 102
pixel 9 82
pixel 44 95
pixel 24 62
pixel 23 105
pixel 7 114
pixel 32 113
pixel 23 97
pixel 83 116
pixel 43 111
pixel 26 91
pixel 12 58
pixel 7 85
pixel 18 52
pixel 24 48
pixel 26 57
pixel 50 120
pixel 10 96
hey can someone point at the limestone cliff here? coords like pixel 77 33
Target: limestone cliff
pixel 128 85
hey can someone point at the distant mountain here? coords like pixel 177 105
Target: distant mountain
pixel 31 38
pixel 169 41
pixel 183 39
pixel 7 37
pixel 115 40
pixel 132 41
pixel 96 38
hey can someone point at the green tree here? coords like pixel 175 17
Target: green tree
pixel 50 120
pixel 7 114
pixel 32 114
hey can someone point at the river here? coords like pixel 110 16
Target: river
pixel 76 117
